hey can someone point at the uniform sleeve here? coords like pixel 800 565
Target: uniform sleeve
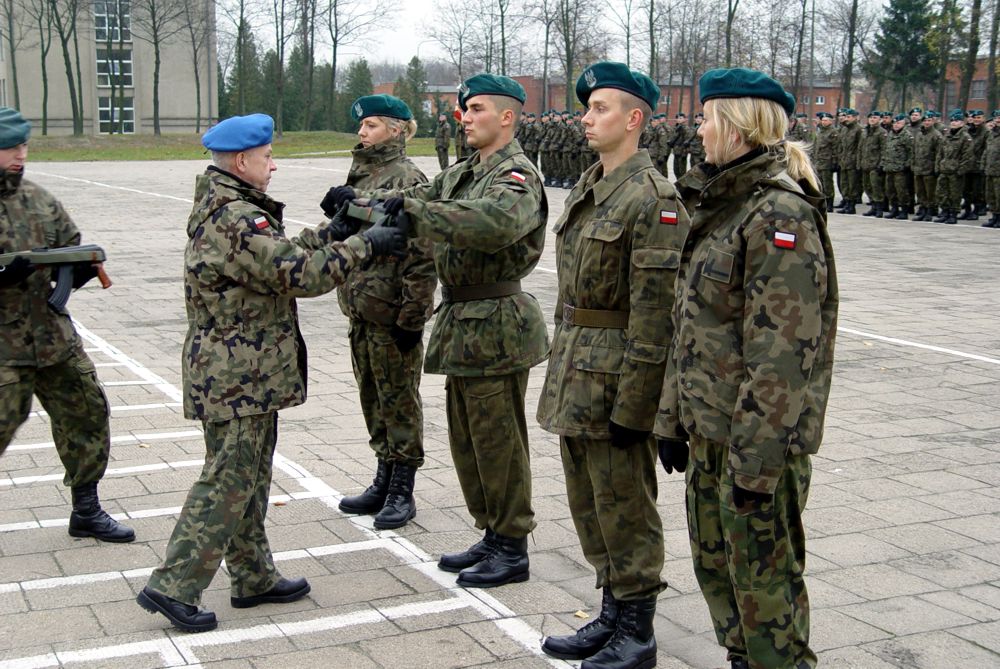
pixel 785 289
pixel 423 192
pixel 418 280
pixel 968 160
pixel 269 263
pixel 655 259
pixel 66 232
pixel 506 212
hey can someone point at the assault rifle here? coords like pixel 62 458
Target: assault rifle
pixel 63 260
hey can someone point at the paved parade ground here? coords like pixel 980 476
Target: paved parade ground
pixel 903 517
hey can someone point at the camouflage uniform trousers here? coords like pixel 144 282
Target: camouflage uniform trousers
pixel 949 190
pixel 77 407
pixel 826 183
pixel 993 193
pixel 223 515
pixel 850 184
pixel 749 567
pixel 442 154
pixel 898 188
pixel 389 385
pixel 926 190
pixel 680 165
pixel 488 434
pixel 975 188
pixel 612 497
pixel 873 183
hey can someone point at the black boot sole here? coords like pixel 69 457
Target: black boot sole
pixel 382 525
pixel 151 606
pixel 517 578
pixel 359 510
pixel 256 600
pixel 83 534
pixel 569 656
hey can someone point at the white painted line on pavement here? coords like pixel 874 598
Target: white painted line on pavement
pixel 139 370
pixel 126 383
pixel 914 344
pixel 118 471
pixel 122 409
pixel 120 439
pixel 109 364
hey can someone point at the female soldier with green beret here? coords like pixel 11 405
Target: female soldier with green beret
pixel 388 305
pixel 748 376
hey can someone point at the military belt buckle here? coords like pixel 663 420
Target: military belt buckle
pixel 568 312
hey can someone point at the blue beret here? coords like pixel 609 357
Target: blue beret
pixel 380 105
pixel 239 133
pixel 14 128
pixel 608 74
pixel 956 115
pixel 490 84
pixel 740 82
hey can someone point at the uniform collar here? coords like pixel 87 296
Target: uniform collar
pixel 604 186
pixel 480 167
pixel 379 154
pixel 10 182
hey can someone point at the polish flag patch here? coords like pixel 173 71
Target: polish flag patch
pixel 668 217
pixel 260 222
pixel 784 240
pixel 518 177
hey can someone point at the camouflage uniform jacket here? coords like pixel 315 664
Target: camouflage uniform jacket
pixel 618 246
pixel 680 140
pixel 544 135
pixel 531 136
pixel 872 146
pixel 954 154
pixel 442 138
pixel 696 147
pixel 898 154
pixel 390 291
pixel 978 135
pixel 849 146
pixel 991 157
pixel 487 219
pixel 752 355
pixel 800 133
pixel 825 153
pixel 35 334
pixel 925 147
pixel 244 354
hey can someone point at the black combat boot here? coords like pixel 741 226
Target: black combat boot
pixel 901 214
pixel 506 563
pixel 739 663
pixel 921 212
pixel 952 217
pixel 892 212
pixel 994 222
pixel 90 520
pixel 400 506
pixel 967 214
pixel 879 210
pixel 829 205
pixel 373 498
pixel 283 592
pixel 182 616
pixel 456 562
pixel 849 208
pixel 871 209
pixel 943 217
pixel 588 639
pixel 633 645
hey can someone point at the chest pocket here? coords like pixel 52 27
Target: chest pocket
pixel 602 247
pixel 655 269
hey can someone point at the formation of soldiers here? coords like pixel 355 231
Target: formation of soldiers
pixel 919 163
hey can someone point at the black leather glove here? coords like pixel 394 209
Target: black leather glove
pixel 393 205
pixel 384 241
pixel 626 437
pixel 673 454
pixel 16 272
pixel 406 340
pixel 742 498
pixel 82 274
pixel 341 226
pixel 335 197
pixel 403 223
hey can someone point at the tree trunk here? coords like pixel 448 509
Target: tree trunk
pixel 545 67
pixel 67 63
pixel 991 77
pixel 848 71
pixel 156 85
pixel 12 52
pixel 653 60
pixel 78 125
pixel 947 11
pixel 44 30
pixel 732 6
pixel 969 66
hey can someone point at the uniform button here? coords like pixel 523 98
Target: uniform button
pixel 689 385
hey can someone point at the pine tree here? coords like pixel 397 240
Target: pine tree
pixel 357 83
pixel 904 56
pixel 410 89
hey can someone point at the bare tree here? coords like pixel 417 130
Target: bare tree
pixel 622 14
pixel 12 32
pixel 848 70
pixel 307 11
pixel 454 30
pixel 731 7
pixel 969 62
pixel 198 26
pixel 40 15
pixel 346 22
pixel 157 22
pixel 575 25
pixel 544 13
pixel 282 16
pixel 991 80
pixel 65 15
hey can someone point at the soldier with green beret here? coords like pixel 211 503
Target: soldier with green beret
pixel 679 144
pixel 925 146
pixel 872 144
pixel 388 303
pixel 748 375
pixel 531 139
pixel 41 353
pixel 974 190
pixel 618 242
pixel 798 128
pixel 487 219
pixel 991 167
pixel 244 360
pixel 442 140
pixel 953 161
pixel 695 147
pixel 849 152
pixel 664 140
pixel 897 158
pixel 825 155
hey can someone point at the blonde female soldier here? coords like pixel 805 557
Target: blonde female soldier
pixel 749 372
pixel 388 304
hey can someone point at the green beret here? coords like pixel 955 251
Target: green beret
pixel 916 110
pixel 956 115
pixel 932 114
pixel 996 113
pixel 14 128
pixel 739 82
pixel 976 113
pixel 239 133
pixel 824 115
pixel 489 84
pixel 681 115
pixel 874 113
pixel 380 105
pixel 850 111
pixel 531 115
pixel 900 117
pixel 608 74
pixel 801 115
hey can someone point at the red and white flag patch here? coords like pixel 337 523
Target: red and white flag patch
pixel 668 217
pixel 518 177
pixel 784 240
pixel 260 222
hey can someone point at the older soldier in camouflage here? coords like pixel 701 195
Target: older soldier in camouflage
pixel 618 245
pixel 442 140
pixel 244 359
pixel 872 144
pixel 849 156
pixel 925 145
pixel 825 155
pixel 40 352
pixel 749 373
pixel 991 167
pixel 953 161
pixel 486 217
pixel 388 305
pixel 896 161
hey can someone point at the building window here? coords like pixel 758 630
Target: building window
pixel 119 65
pixel 978 91
pixel 112 20
pixel 123 112
pixel 950 96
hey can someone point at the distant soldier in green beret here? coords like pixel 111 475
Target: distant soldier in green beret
pixel 41 353
pixel 897 158
pixel 925 146
pixel 825 155
pixel 872 144
pixel 679 145
pixel 442 140
pixel 849 150
pixel 974 190
pixel 954 160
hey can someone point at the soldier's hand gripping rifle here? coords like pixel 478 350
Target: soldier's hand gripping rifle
pixel 386 231
pixel 73 265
